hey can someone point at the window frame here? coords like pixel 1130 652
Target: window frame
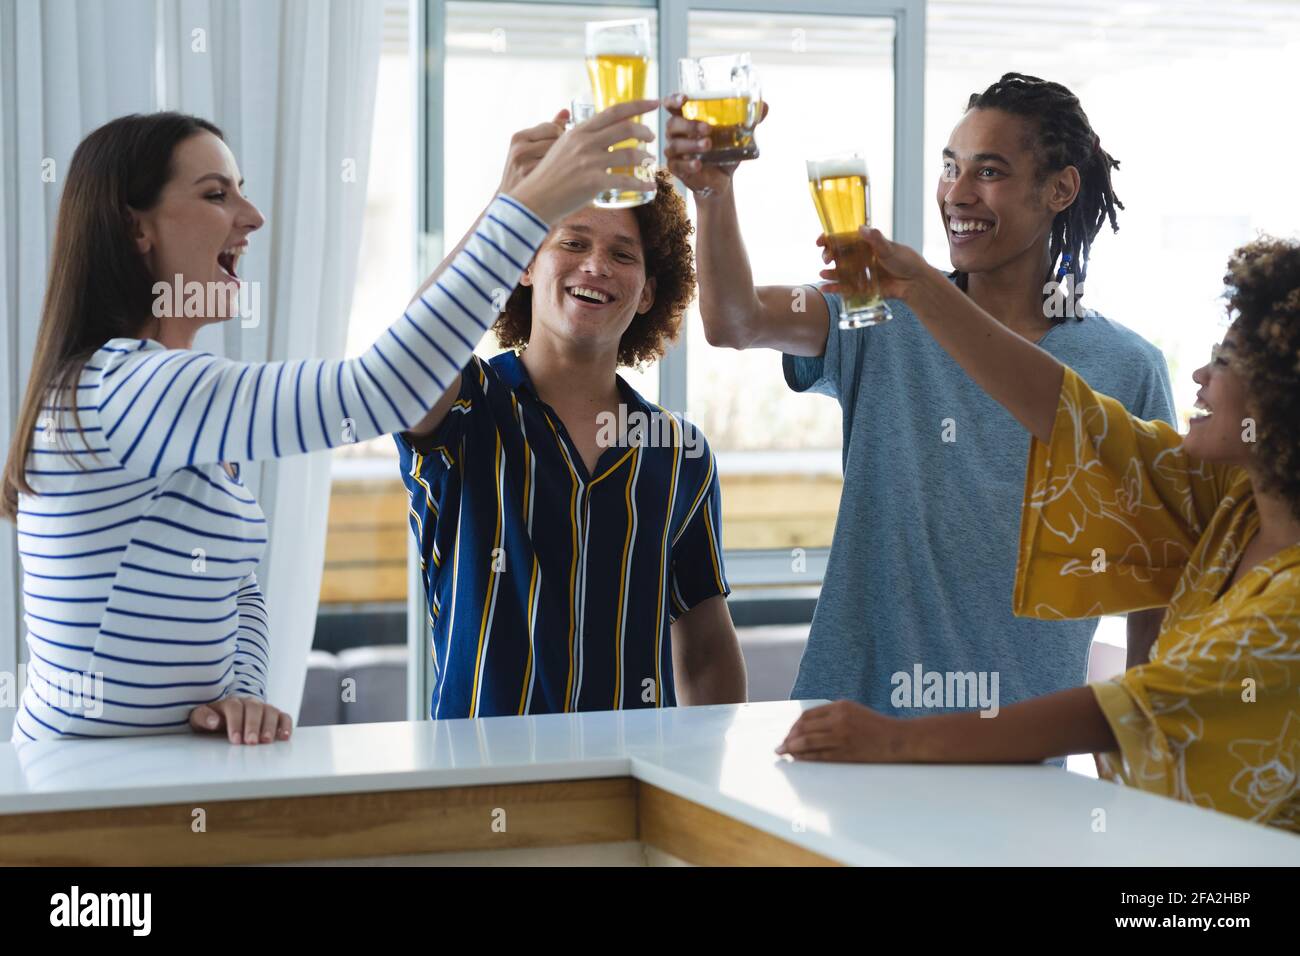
pixel 428 54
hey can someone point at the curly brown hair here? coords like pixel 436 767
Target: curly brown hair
pixel 1263 290
pixel 665 242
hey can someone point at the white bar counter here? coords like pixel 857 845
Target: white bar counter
pixel 700 783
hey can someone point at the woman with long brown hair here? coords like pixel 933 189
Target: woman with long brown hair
pixel 137 539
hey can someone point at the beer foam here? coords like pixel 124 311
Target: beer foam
pixel 614 43
pixel 717 95
pixel 837 167
pixel 617 46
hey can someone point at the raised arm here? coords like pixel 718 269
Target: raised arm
pixel 736 313
pixel 527 147
pixel 161 410
pixel 1016 373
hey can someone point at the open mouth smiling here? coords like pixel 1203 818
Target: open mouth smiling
pixel 962 228
pixel 589 295
pixel 1206 412
pixel 228 259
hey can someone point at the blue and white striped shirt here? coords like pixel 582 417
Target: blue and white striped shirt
pixel 138 548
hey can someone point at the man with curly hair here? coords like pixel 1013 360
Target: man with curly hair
pixel 569 530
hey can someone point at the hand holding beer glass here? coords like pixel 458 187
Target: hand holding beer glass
pixel 842 194
pixel 564 172
pixel 618 58
pixel 723 92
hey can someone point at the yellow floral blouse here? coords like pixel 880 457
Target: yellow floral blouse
pixel 1118 518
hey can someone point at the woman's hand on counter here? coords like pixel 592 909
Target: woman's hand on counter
pixel 845 731
pixel 244 719
pixel 1029 731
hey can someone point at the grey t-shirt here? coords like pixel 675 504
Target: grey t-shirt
pixel 924 553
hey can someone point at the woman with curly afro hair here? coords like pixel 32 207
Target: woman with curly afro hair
pixel 570 531
pixel 1121 514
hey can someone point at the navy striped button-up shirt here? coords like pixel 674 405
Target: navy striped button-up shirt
pixel 551 589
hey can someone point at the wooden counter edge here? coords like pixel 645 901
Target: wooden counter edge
pixel 393 822
pixel 697 834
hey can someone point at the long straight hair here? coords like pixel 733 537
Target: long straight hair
pixel 99 286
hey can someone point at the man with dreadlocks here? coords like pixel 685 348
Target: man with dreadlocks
pixel 919 579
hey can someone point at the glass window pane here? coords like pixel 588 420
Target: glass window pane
pixel 829 82
pixel 510 66
pixel 1192 191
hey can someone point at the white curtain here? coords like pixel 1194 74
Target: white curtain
pixel 292 85
pixel 65 68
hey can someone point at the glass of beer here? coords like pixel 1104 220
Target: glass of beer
pixel 618 58
pixel 723 91
pixel 841 192
pixel 579 112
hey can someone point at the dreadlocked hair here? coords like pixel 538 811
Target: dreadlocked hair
pixel 1061 137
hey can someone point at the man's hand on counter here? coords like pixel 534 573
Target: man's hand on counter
pixel 245 720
